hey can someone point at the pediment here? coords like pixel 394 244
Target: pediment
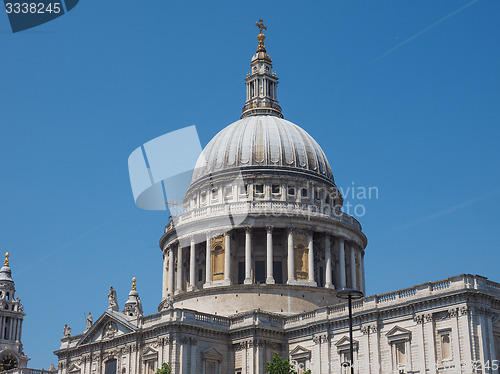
pixel 73 368
pixel 344 344
pixel 345 341
pixel 397 333
pixel 300 352
pixel 213 354
pixel 108 326
pixel 149 353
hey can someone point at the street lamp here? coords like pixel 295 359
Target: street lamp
pixel 350 294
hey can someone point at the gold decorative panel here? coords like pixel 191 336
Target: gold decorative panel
pixel 301 253
pixel 217 251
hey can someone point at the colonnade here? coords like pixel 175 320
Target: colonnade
pixel 10 328
pixel 348 269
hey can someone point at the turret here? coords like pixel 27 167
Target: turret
pixel 133 306
pixel 261 82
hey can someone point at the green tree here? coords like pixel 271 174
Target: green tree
pixel 166 368
pixel 280 366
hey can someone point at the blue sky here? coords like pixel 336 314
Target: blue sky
pixel 402 96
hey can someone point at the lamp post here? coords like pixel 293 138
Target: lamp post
pixel 350 294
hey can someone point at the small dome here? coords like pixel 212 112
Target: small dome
pixel 5 274
pixel 261 56
pixel 263 141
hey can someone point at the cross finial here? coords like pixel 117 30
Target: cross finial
pixel 261 37
pixel 6 262
pixel 133 284
pixel 260 25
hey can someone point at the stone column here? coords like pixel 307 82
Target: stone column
pixel 353 267
pixel 179 269
pixel 270 256
pixel 11 325
pixel 328 262
pixel 193 355
pixel 164 275
pixel 20 329
pixel 466 332
pixel 455 336
pixel 171 271
pixel 251 357
pixel 362 271
pixel 491 338
pixel 310 258
pixel 290 259
pixel 248 255
pixel 482 335
pixel 208 263
pixel 192 265
pixel 227 258
pixel 259 362
pixel 430 342
pixel 342 263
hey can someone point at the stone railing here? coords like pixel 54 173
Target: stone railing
pixel 392 299
pixel 28 371
pixel 367 304
pixel 270 208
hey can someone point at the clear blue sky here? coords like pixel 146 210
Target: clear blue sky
pixel 403 96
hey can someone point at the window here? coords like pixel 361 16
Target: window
pixel 400 353
pixel 110 367
pixel 212 361
pixel 399 339
pixel 327 199
pixel 316 194
pixel 278 272
pixel 445 346
pixel 304 192
pixel 259 189
pixel 150 367
pixel 300 359
pixel 203 197
pixel 275 189
pixel 260 272
pixel 215 193
pixel 228 191
pixel 291 191
pixel 244 189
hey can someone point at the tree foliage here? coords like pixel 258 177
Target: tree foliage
pixel 166 368
pixel 280 366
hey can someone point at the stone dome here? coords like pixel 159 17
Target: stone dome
pixel 263 142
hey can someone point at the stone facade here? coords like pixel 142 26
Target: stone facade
pixel 446 326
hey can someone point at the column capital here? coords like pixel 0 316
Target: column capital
pixel 290 230
pixel 269 229
pixel 191 238
pixel 248 229
pixel 227 232
pixel 208 235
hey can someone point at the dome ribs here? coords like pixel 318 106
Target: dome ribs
pixel 262 141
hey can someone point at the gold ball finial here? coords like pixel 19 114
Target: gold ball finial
pixel 6 262
pixel 133 284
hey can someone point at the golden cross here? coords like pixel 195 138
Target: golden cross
pixel 260 25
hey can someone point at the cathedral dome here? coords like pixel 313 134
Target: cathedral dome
pixel 263 142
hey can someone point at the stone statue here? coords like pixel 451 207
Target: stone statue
pixel 169 304
pixel 66 331
pixel 112 297
pixel 89 320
